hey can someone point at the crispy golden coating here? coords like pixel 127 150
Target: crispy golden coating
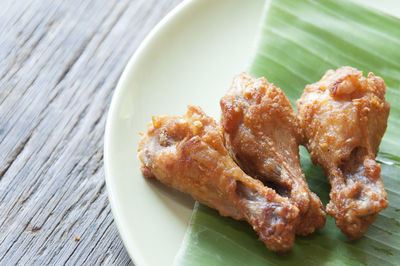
pixel 262 134
pixel 344 117
pixel 188 154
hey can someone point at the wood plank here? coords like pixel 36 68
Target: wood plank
pixel 60 64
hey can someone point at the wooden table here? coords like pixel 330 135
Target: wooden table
pixel 60 62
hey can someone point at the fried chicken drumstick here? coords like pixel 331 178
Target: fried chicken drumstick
pixel 262 134
pixel 344 117
pixel 188 154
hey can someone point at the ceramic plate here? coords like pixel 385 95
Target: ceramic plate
pixel 189 58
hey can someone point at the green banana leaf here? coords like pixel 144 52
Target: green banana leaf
pixel 298 41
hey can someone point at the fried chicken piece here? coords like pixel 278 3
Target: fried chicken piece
pixel 262 134
pixel 188 154
pixel 344 117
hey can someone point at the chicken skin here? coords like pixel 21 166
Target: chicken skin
pixel 262 134
pixel 188 154
pixel 344 117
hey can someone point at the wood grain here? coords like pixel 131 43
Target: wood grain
pixel 60 62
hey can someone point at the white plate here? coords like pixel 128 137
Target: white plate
pixel 189 58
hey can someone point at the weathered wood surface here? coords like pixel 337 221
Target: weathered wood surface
pixel 60 62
